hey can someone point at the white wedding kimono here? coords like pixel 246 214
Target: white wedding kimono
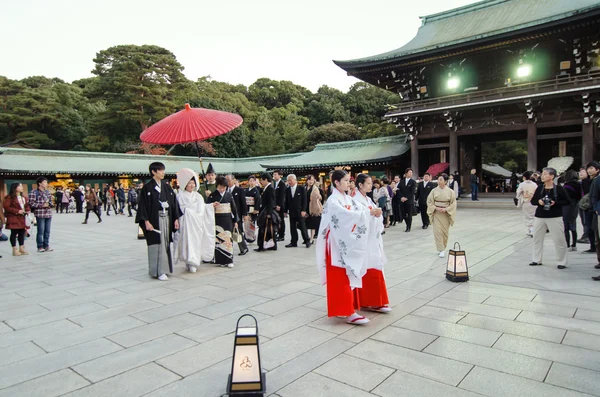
pixel 376 257
pixel 344 232
pixel 195 240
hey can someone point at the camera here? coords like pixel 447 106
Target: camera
pixel 546 201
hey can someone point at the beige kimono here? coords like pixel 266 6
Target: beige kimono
pixel 441 221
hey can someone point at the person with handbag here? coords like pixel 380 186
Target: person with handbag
pixel 252 205
pixel 194 242
pixel 525 192
pixel 92 204
pixel 441 208
pixel 226 216
pixel 16 208
pixel 549 199
pixel 381 197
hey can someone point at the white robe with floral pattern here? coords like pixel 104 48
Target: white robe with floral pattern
pixel 376 257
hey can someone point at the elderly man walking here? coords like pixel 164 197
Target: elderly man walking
pixel 296 206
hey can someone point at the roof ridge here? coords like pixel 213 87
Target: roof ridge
pixel 461 10
pixel 360 142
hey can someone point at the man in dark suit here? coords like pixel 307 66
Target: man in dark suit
pixel 239 197
pixel 296 206
pixel 406 191
pixel 279 186
pixel 267 208
pixel 423 190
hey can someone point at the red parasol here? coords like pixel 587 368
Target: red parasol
pixel 437 169
pixel 191 125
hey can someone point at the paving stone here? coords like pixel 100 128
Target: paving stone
pixel 497 384
pixel 572 324
pixel 404 338
pixel 304 363
pixel 288 302
pixel 449 330
pixel 515 328
pixel 124 360
pixel 531 306
pixel 23 351
pixel 50 316
pixel 290 320
pixel 574 378
pixel 585 314
pixel 320 386
pixel 438 313
pixel 8 315
pixel 156 330
pixel 550 351
pixel 227 307
pixel 60 302
pixel 173 309
pixel 568 300
pixel 286 347
pixel 5 328
pixel 353 371
pixel 52 385
pixel 134 297
pixel 35 300
pixel 113 313
pixel 199 357
pixel 470 307
pixel 35 367
pixel 136 382
pixel 52 343
pixel 579 339
pixel 437 368
pixel 50 329
pixel 405 384
pixel 211 381
pixel 503 361
pixel 465 296
pixel 200 293
pixel 498 290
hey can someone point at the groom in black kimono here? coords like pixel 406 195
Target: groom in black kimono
pixel 158 216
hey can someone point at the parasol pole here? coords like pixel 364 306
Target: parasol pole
pixel 201 166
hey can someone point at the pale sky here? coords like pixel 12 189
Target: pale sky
pixel 237 41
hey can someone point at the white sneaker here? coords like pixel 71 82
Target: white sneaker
pixel 230 265
pixel 192 269
pixel 442 254
pixel 357 319
pixel 163 277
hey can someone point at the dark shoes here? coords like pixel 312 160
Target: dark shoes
pixel 597 266
pixel 561 267
pixel 280 239
pixel 291 245
pixel 596 278
pixel 407 229
pixel 535 264
pixel 308 244
pixel 259 249
pixel 244 252
pixel 425 226
pixel 84 223
pixel 590 251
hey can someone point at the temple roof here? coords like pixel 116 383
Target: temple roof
pixel 364 152
pixel 481 20
pixel 44 162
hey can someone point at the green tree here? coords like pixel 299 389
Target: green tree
pixel 511 155
pixel 366 103
pixel 334 132
pixel 326 106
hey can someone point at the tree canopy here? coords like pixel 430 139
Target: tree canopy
pixel 136 86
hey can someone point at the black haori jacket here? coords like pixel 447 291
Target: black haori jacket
pixel 149 209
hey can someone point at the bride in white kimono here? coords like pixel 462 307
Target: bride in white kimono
pixel 342 250
pixel 373 294
pixel 195 240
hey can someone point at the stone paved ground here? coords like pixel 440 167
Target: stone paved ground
pixel 85 320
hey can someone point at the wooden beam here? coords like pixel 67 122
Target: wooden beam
pixel 562 135
pixel 433 145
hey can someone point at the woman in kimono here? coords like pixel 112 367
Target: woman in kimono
pixel 441 208
pixel 342 249
pixel 373 294
pixel 158 216
pixel 226 216
pixel 315 199
pixel 525 192
pixel 252 204
pixel 195 239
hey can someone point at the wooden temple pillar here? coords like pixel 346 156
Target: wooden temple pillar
pixel 453 155
pixel 414 157
pixel 587 143
pixel 532 147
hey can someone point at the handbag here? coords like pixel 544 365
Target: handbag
pixel 269 243
pixel 585 203
pixel 236 236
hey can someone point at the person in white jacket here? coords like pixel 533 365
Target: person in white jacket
pixel 195 240
pixel 525 192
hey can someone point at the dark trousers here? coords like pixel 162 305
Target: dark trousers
pixel 397 211
pixel 95 210
pixel 281 231
pixel 588 227
pixel 79 205
pixel 243 246
pixel 424 215
pixel 17 234
pixel 406 212
pixel 596 236
pixel 298 222
pixel 474 191
pixel 269 231
pixel 104 202
pixel 131 206
pixel 43 232
pixel 121 207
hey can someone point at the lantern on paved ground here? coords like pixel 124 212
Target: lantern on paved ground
pixel 456 268
pixel 246 378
